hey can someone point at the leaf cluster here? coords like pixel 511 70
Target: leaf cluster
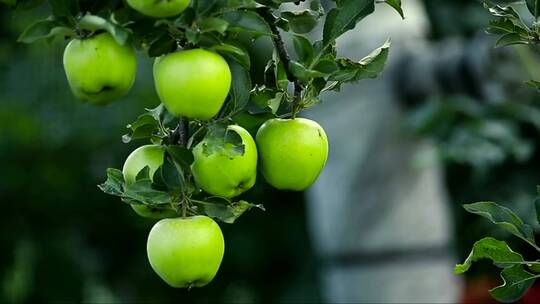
pixel 517 273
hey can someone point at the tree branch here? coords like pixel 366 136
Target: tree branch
pixel 181 132
pixel 284 57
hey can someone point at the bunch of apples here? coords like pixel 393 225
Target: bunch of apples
pixel 186 251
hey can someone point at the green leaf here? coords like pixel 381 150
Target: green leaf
pixel 252 121
pixel 181 155
pixel 396 4
pixel 44 29
pixel 533 84
pixel 490 248
pixel 241 86
pixel 94 23
pixel 534 7
pixel 302 73
pixel 235 53
pixel 345 17
pixel 303 49
pixel 510 39
pixel 146 126
pixel 213 24
pixel 247 22
pixel 143 192
pixel 516 281
pixel 222 141
pixel 225 212
pixel 161 46
pixel 275 103
pixel 114 183
pixel 301 22
pixel 369 67
pixel 504 218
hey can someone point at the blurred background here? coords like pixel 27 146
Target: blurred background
pixel 450 122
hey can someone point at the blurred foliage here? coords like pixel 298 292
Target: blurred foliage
pixel 490 146
pixel 64 240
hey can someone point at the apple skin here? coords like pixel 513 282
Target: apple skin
pixel 160 8
pixel 192 83
pixel 186 252
pixel 292 152
pixel 220 175
pixel 98 69
pixel 151 156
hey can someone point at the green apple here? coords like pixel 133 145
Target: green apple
pixel 192 83
pixel 220 173
pixel 292 152
pixel 151 156
pixel 98 69
pixel 159 8
pixel 186 252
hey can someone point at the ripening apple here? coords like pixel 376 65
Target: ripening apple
pixel 159 8
pixel 151 156
pixel 98 69
pixel 186 252
pixel 192 83
pixel 292 152
pixel 220 174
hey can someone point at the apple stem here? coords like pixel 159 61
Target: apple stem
pixel 285 58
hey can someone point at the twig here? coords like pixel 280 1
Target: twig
pixel 284 57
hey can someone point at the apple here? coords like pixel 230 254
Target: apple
pixel 186 252
pixel 159 8
pixel 218 173
pixel 98 69
pixel 192 83
pixel 292 152
pixel 151 156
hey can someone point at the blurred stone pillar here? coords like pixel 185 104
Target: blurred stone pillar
pixel 380 220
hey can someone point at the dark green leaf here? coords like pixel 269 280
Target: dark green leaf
pixel 504 218
pixel 302 73
pixel 223 141
pixel 161 46
pixel 534 84
pixel 369 67
pixel 225 212
pixel 181 156
pixel 247 22
pixel 213 24
pixel 510 39
pixel 303 49
pixel 142 192
pixel 301 22
pixel 94 23
pixel 396 4
pixel 235 53
pixel 44 29
pixel 146 126
pixel 252 122
pixel 275 103
pixel 516 281
pixel 114 183
pixel 490 248
pixel 241 86
pixel 534 7
pixel 345 17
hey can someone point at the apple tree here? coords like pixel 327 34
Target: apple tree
pixel 222 119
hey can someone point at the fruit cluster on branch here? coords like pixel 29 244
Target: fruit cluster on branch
pixel 216 126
